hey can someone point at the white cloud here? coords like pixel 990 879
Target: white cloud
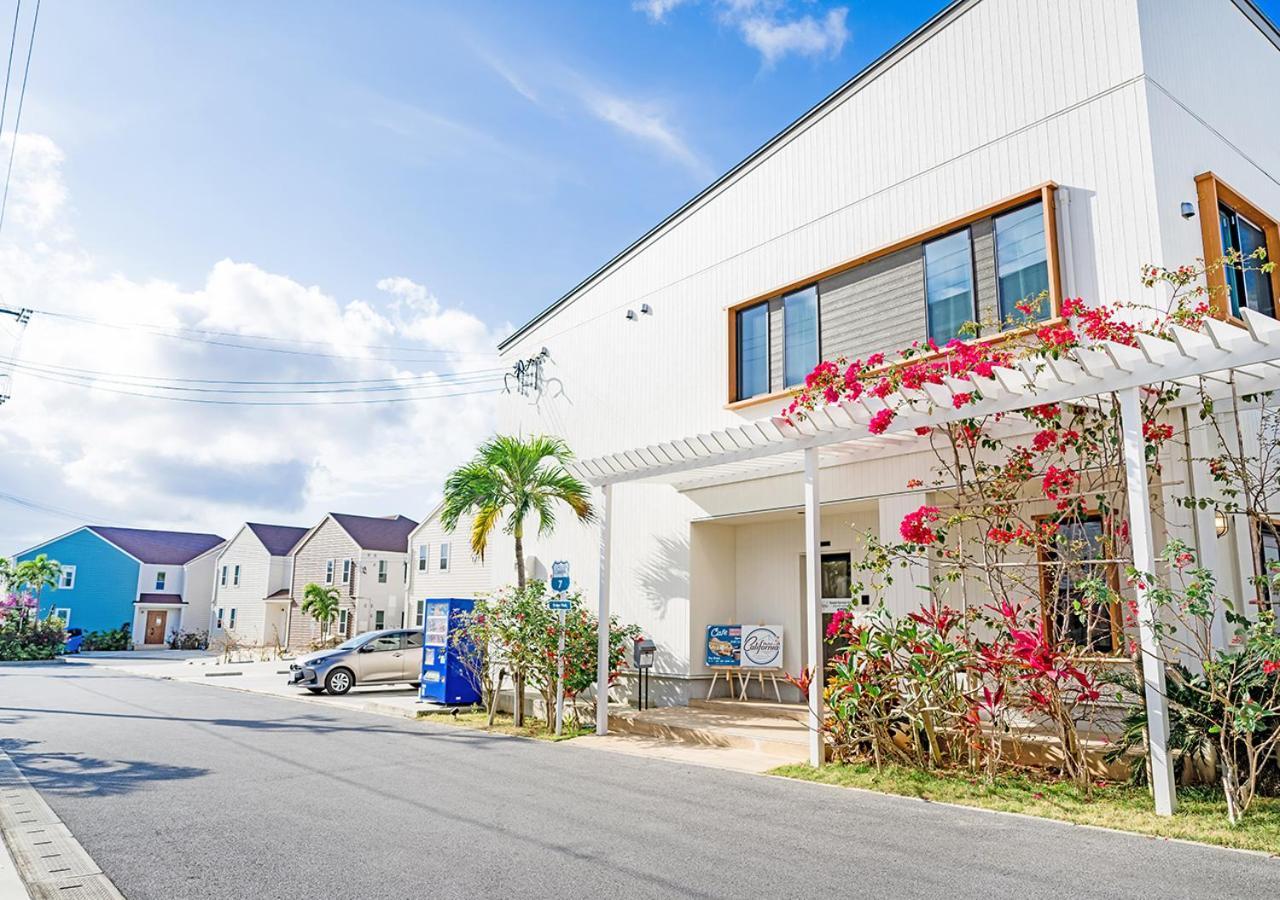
pixel 646 122
pixel 657 9
pixel 154 463
pixel 774 28
pixel 805 36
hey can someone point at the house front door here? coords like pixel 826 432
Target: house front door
pixel 157 619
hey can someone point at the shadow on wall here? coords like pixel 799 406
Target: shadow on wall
pixel 662 578
pixel 1081 257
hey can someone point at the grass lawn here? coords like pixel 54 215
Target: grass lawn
pixel 1201 816
pixel 532 728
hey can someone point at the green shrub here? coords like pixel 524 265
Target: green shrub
pixel 41 639
pixel 112 639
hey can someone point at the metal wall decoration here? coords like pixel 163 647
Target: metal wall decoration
pixel 526 375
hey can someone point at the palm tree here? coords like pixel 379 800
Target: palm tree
pixel 38 574
pixel 321 603
pixel 516 477
pixel 6 572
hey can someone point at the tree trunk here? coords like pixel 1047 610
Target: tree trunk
pixel 517 703
pixel 520 576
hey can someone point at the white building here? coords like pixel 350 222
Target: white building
pixel 1011 144
pixel 254 573
pixel 442 566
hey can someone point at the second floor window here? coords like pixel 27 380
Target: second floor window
pixel 346 571
pixel 752 351
pixel 235 577
pixel 444 557
pixel 1022 263
pixel 948 285
pixel 328 571
pixel 223 579
pixel 67 580
pixel 160 578
pixel 800 334
pixel 422 557
pixel 1248 287
pixel 382 571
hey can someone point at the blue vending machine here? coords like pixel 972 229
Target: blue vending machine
pixel 445 675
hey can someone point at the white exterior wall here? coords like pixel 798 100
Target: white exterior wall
pixel 467 576
pixel 1007 95
pixel 198 580
pixel 261 574
pixel 373 595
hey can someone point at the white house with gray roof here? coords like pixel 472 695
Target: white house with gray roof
pixel 253 575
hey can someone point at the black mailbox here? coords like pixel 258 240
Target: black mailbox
pixel 644 651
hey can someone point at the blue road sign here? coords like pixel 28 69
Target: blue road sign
pixel 559 577
pixel 559 604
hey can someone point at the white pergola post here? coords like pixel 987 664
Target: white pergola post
pixel 813 599
pixel 1135 464
pixel 602 645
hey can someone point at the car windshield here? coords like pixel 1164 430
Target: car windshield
pixel 352 643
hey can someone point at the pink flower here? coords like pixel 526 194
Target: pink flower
pixel 880 421
pixel 960 400
pixel 915 525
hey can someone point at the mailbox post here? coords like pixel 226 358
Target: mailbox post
pixel 643 654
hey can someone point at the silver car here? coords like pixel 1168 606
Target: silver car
pixel 375 657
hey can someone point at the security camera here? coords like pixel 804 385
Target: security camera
pixel 1188 210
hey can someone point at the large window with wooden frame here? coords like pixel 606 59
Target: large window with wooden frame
pixel 976 266
pixel 1078 554
pixel 948 285
pixel 1228 221
pixel 1022 264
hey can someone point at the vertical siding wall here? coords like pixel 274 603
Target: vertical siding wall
pixel 105 584
pixel 309 561
pixel 1010 94
pixel 467 576
pixel 247 599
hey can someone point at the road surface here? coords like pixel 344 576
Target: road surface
pixel 186 790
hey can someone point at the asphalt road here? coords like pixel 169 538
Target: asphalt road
pixel 186 790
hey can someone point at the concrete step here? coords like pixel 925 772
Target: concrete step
pixel 769 735
pixel 755 709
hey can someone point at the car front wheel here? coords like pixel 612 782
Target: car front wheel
pixel 339 681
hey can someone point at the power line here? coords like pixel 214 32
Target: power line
pixel 245 403
pixel 458 376
pixel 8 70
pixel 203 336
pixel 17 119
pixel 52 510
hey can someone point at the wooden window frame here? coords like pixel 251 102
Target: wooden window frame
pixel 1212 192
pixel 1044 192
pixel 1046 600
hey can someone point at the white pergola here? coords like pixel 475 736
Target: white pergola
pixel 1223 359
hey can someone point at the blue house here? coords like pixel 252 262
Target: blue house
pixel 154 581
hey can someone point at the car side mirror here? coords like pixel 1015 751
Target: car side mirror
pixel 365 648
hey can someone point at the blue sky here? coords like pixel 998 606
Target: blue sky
pixel 464 145
pixel 422 174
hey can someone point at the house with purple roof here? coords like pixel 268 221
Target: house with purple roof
pixel 156 582
pixel 366 559
pixel 251 590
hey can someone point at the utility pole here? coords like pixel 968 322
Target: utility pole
pixel 22 317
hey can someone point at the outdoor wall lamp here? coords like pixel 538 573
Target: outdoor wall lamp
pixel 646 309
pixel 1188 210
pixel 631 315
pixel 1221 523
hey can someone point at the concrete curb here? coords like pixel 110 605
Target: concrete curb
pixel 47 858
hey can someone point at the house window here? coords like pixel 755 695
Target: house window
pixel 328 571
pixel 382 571
pixel 837 576
pixel 800 334
pixel 67 579
pixel 343 621
pixel 948 285
pixel 346 571
pixel 235 576
pixel 218 621
pixel 422 557
pixel 1079 553
pixel 1022 262
pixel 752 351
pixel 444 556
pixel 222 577
pixel 63 613
pixel 379 620
pixel 1247 286
pixel 160 576
pixel 231 622
pixel 419 613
